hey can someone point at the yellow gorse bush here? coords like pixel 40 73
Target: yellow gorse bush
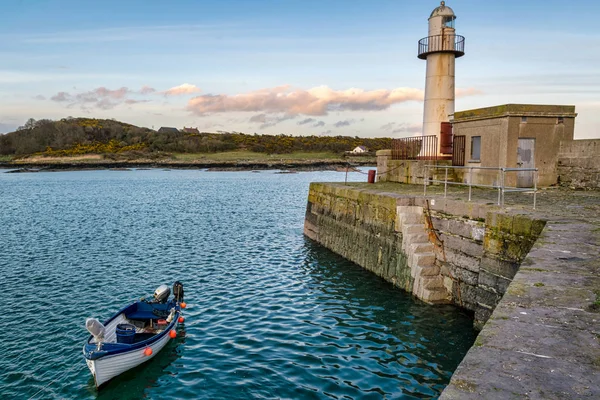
pixel 112 146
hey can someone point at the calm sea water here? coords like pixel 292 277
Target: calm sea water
pixel 271 314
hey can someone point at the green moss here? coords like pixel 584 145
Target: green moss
pixel 595 306
pixel 532 269
pixel 538 284
pixel 464 385
pixel 516 289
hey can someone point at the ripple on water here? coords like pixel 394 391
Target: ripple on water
pixel 271 314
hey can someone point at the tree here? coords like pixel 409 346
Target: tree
pixel 30 124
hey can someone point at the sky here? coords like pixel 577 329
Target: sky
pixel 300 67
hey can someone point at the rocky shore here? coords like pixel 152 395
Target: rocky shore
pixel 308 165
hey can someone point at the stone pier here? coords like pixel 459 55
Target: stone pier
pixel 531 278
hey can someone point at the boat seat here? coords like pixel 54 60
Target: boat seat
pixel 141 315
pixel 145 312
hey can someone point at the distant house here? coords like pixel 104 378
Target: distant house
pixel 166 129
pixel 360 149
pixel 190 130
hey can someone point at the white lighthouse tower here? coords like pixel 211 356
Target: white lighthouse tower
pixel 440 48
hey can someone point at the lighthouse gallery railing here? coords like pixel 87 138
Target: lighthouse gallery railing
pixel 442 44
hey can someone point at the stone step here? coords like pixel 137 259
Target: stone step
pixel 407 214
pixel 435 296
pixel 411 219
pixel 411 238
pixel 421 272
pixel 421 248
pixel 433 270
pixel 433 282
pixel 423 259
pixel 413 228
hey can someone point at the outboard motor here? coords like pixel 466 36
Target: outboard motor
pixel 96 328
pixel 161 294
pixel 178 291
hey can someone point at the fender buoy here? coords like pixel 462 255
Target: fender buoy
pixel 148 351
pixel 172 334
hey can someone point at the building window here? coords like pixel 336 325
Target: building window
pixel 523 119
pixel 560 120
pixel 475 148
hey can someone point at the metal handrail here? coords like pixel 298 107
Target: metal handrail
pixel 415 148
pixel 443 44
pixel 500 186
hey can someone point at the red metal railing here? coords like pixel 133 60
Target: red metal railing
pixel 415 148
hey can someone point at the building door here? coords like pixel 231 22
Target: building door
pixel 525 159
pixel 458 150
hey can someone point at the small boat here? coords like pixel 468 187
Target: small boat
pixel 134 335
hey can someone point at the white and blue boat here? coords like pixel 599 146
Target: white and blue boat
pixel 134 335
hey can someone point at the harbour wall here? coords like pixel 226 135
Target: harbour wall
pixel 579 164
pixel 443 251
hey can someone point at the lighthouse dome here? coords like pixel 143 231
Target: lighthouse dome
pixel 442 10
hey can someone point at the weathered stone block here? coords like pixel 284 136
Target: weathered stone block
pixel 465 246
pixel 460 228
pixel 522 225
pixel 462 260
pixel 506 269
pixel 482 314
pixel 461 274
pixel 498 283
pixel 465 295
pixel 487 297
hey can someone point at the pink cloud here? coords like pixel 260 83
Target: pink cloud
pixel 316 101
pixel 111 94
pixel 467 92
pixel 101 97
pixel 61 96
pixel 185 88
pixel 147 90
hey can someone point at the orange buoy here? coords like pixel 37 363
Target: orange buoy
pixel 180 320
pixel 173 334
pixel 183 305
pixel 148 351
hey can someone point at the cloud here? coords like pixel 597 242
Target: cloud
pixel 101 97
pixel 268 121
pixel 319 124
pixel 185 88
pixel 61 96
pixel 340 124
pixel 467 92
pixel 388 126
pixel 147 90
pixel 407 128
pixel 316 101
pixel 40 97
pixel 272 121
pixel 259 118
pixel 306 121
pixel 133 101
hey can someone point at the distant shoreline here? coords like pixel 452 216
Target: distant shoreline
pixel 315 165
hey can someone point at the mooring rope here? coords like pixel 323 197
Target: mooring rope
pixel 60 376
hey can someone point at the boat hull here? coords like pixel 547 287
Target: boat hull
pixel 105 368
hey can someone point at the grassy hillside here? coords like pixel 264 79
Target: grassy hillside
pixel 74 137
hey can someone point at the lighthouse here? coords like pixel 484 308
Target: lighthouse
pixel 440 48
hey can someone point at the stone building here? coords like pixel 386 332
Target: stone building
pixel 513 136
